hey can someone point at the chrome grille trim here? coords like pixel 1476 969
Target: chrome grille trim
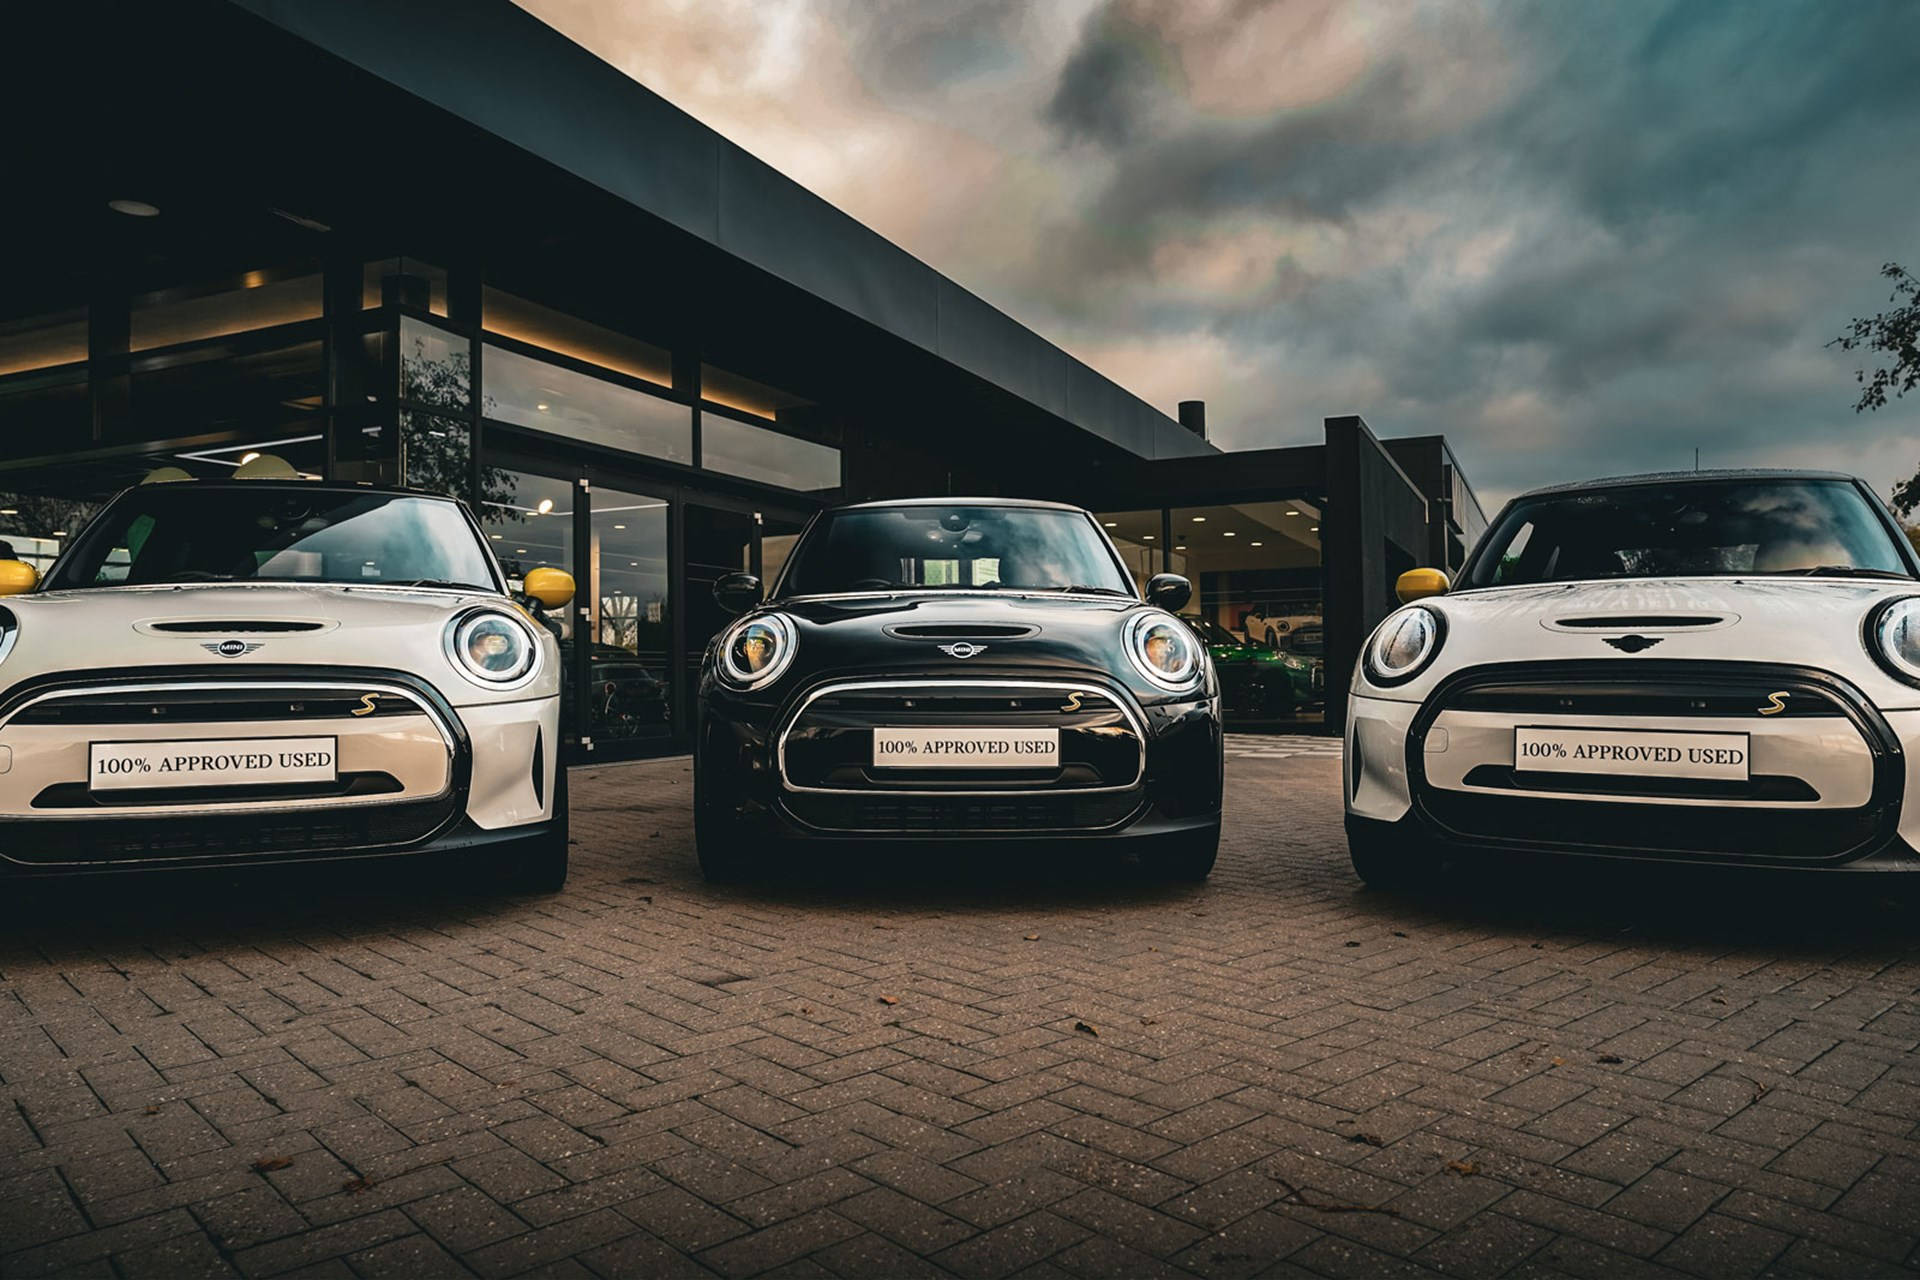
pixel 1118 697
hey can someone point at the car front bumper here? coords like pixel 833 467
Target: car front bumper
pixel 1827 787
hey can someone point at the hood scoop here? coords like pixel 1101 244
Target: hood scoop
pixel 232 626
pixel 961 631
pixel 1589 623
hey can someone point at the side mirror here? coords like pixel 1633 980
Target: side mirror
pixel 1170 591
pixel 17 577
pixel 737 592
pixel 1418 584
pixel 551 587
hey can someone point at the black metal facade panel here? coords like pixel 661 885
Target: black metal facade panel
pixel 994 345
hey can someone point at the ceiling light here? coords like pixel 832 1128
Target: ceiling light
pixel 58 533
pixel 1315 529
pixel 9 511
pixel 1256 544
pixel 1147 536
pixel 1293 513
pixel 494 536
pixel 1228 533
pixel 619 526
pixel 541 407
pixel 1112 525
pixel 519 551
pixel 134 208
pixel 546 505
pixel 1199 519
pixel 245 458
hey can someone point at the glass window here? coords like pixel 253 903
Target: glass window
pixel 539 326
pixel 438 453
pixel 433 366
pixel 37 409
pixel 528 520
pixel 163 533
pixel 272 394
pixel 405 281
pixel 40 342
pixel 34 527
pixel 1136 536
pixel 626 598
pixel 1690 529
pixel 744 394
pixel 545 397
pixel 175 316
pixel 936 545
pixel 771 457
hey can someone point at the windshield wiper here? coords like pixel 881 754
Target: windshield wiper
pixel 1080 589
pixel 426 582
pixel 1836 571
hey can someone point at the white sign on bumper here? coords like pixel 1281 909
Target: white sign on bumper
pixel 1633 753
pixel 966 748
pixel 213 762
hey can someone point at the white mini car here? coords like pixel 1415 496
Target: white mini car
pixel 1705 667
pixel 240 672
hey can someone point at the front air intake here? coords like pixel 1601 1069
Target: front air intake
pixel 961 631
pixel 228 626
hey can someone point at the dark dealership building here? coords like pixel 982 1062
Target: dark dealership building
pixel 435 243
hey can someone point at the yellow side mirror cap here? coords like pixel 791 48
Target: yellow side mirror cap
pixel 1418 584
pixel 17 577
pixel 551 587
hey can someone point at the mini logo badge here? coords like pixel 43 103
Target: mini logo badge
pixel 1633 644
pixel 231 648
pixel 962 649
pixel 1776 703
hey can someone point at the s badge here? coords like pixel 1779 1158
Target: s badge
pixel 1776 703
pixel 366 707
pixel 1072 703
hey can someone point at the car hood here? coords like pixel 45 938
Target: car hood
pixel 1808 622
pixel 1014 634
pixel 114 628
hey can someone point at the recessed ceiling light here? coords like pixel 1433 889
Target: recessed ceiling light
pixel 541 407
pixel 245 458
pixel 1147 536
pixel 58 533
pixel 494 536
pixel 519 551
pixel 134 208
pixel 1293 513
pixel 1228 533
pixel 619 526
pixel 1112 525
pixel 1315 529
pixel 1256 544
pixel 9 511
pixel 1199 519
pixel 546 505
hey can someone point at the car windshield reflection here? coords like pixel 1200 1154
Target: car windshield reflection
pixel 960 547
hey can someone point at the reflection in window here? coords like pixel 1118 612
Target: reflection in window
pixel 40 342
pixel 433 366
pixel 163 319
pixel 528 521
pixel 406 282
pixel 627 675
pixel 273 394
pixel 1136 536
pixel 755 453
pixel 437 453
pixel 33 527
pixel 545 397
pixel 539 326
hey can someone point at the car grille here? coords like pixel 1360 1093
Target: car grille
pixel 828 779
pixel 403 766
pixel 1774 817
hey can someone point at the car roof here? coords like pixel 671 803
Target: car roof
pixel 960 502
pixel 295 486
pixel 1692 477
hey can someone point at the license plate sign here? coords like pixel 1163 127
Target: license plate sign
pixel 966 748
pixel 214 762
pixel 1633 753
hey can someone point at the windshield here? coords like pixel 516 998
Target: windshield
pixel 1690 530
pixel 161 534
pixel 954 548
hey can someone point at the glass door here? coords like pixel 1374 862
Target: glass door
pixel 624 589
pixel 717 541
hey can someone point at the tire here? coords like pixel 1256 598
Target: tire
pixel 719 840
pixel 543 869
pixel 1389 857
pixel 1187 856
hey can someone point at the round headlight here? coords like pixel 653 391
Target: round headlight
pixel 1404 645
pixel 1893 633
pixel 492 647
pixel 1163 649
pixel 756 650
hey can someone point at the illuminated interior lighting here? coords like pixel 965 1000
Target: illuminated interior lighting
pixel 9 511
pixel 1199 519
pixel 58 533
pixel 1293 513
pixel 253 279
pixel 1315 529
pixel 1112 525
pixel 519 551
pixel 1256 544
pixel 245 458
pixel 546 505
pixel 1146 537
pixel 494 536
pixel 1228 533
pixel 619 526
pixel 541 407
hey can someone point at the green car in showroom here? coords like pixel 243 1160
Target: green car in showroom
pixel 1256 680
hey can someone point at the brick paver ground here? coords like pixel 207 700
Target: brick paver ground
pixel 976 1070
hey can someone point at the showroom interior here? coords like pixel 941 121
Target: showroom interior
pixel 439 245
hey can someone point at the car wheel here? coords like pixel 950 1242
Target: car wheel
pixel 1187 855
pixel 1390 858
pixel 543 869
pixel 719 841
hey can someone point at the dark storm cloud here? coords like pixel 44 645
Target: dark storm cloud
pixel 1574 237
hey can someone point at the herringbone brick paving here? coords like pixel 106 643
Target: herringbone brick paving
pixel 972 1070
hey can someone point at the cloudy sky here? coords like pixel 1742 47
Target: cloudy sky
pixel 1577 238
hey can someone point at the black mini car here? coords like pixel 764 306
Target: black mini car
pixel 945 670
